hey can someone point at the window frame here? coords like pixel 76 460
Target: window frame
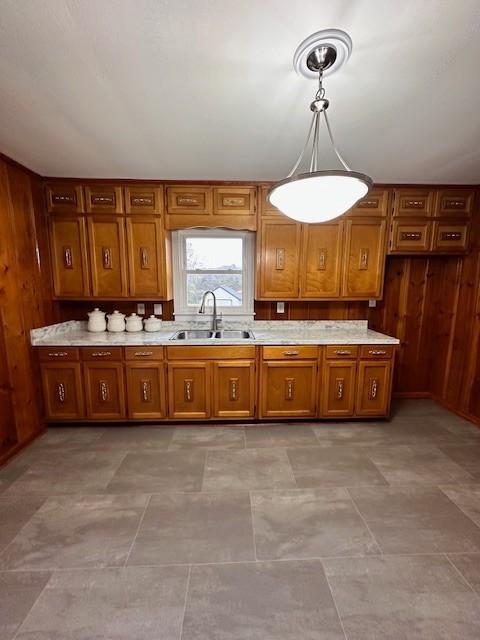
pixel 182 311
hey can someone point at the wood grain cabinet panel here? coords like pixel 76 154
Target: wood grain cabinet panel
pixel 104 390
pixel 375 204
pixel 454 203
pixel 146 257
pixel 234 389
pixel 143 199
pixel 288 389
pixel 373 388
pixel 279 251
pixel 106 237
pixel 234 201
pixel 266 209
pixel 337 394
pixel 450 237
pixel 364 260
pixel 146 390
pixel 68 245
pixel 189 389
pixel 62 390
pixel 104 198
pixel 64 198
pixel 410 236
pixel 320 275
pixel 417 203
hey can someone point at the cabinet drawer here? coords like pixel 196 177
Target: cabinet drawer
pixel 341 352
pixel 413 202
pixel 234 201
pixel 104 198
pixel 64 198
pixel 376 352
pixel 208 352
pixel 290 353
pixel 454 202
pixel 53 354
pixel 374 205
pixel 450 237
pixel 100 353
pixel 143 353
pixel 143 199
pixel 189 199
pixel 410 237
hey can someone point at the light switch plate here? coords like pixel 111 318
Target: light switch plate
pixel 140 308
pixel 157 309
pixel 372 303
pixel 280 307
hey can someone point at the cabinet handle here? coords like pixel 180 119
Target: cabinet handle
pixel 291 353
pixel 141 201
pixel 342 352
pixel 450 235
pixel 289 388
pixel 339 384
pixel 363 266
pixel 143 353
pixel 187 201
pixel 322 259
pixel 280 259
pixel 58 198
pixel 107 257
pixel 101 354
pixel 230 201
pixel 453 204
pixel 104 391
pixel 67 258
pixel 103 200
pixel 188 390
pixel 61 392
pixel 378 352
pixel 144 258
pixel 413 204
pixel 373 388
pixel 57 354
pixel 146 390
pixel 410 235
pixel 367 204
pixel 233 388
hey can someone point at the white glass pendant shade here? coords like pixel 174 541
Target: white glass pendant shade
pixel 319 196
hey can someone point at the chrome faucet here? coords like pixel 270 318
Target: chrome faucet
pixel 216 318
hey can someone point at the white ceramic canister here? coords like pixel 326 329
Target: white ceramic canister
pixel 116 321
pixel 152 323
pixel 134 322
pixel 96 321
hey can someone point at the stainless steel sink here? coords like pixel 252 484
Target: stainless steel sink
pixel 233 334
pixel 193 334
pixel 205 334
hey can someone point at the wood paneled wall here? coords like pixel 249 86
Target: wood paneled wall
pixel 25 302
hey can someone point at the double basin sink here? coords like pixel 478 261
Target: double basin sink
pixel 205 334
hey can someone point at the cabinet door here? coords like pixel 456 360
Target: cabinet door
pixel 338 388
pixel 143 199
pixel 234 207
pixel 288 389
pixel 410 236
pixel 364 260
pixel 321 260
pixel 62 390
pixel 146 260
pixel 104 198
pixel 189 389
pixel 104 390
pixel 375 204
pixel 146 390
pixel 454 203
pixel 64 198
pixel 107 257
pixel 413 202
pixel 234 389
pixel 68 243
pixel 373 388
pixel 450 237
pixel 279 259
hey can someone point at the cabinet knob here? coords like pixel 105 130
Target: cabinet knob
pixel 57 354
pixel 143 354
pixel 342 352
pixel 144 258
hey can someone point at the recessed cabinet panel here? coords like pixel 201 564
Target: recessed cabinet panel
pixel 454 203
pixel 288 389
pixel 364 258
pixel 337 395
pixel 417 203
pixel 189 389
pixel 279 259
pixel 68 243
pixel 104 390
pixel 189 200
pixel 146 390
pixel 234 201
pixel 143 199
pixel 375 204
pixel 450 237
pixel 145 260
pixel 104 198
pixel 64 198
pixel 410 236
pixel 234 389
pixel 108 257
pixel 62 390
pixel 321 260
pixel 373 388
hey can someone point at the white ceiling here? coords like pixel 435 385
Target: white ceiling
pixel 204 89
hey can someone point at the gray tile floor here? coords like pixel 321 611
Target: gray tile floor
pixel 357 531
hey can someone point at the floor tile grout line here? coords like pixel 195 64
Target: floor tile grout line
pixel 446 555
pixel 253 527
pixel 20 626
pixel 204 471
pixel 187 588
pixel 147 503
pixel 458 506
pixel 334 602
pixel 364 521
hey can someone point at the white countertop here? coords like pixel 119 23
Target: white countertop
pixel 284 332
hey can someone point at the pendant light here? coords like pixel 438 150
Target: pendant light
pixel 318 196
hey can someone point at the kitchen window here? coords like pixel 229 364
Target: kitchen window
pixel 217 260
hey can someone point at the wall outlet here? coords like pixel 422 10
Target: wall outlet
pixel 280 307
pixel 157 309
pixel 372 303
pixel 140 308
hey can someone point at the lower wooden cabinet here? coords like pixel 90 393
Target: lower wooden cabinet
pixel 374 388
pixel 62 390
pixel 337 388
pixel 104 390
pixel 146 390
pixel 189 389
pixel 234 389
pixel 288 389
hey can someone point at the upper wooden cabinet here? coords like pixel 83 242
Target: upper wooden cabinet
pixel 375 204
pixel 64 198
pixel 453 203
pixel 104 198
pixel 321 260
pixel 278 259
pixel 143 199
pixel 68 243
pixel 106 238
pixel 364 258
pixel 148 257
pixel 413 202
